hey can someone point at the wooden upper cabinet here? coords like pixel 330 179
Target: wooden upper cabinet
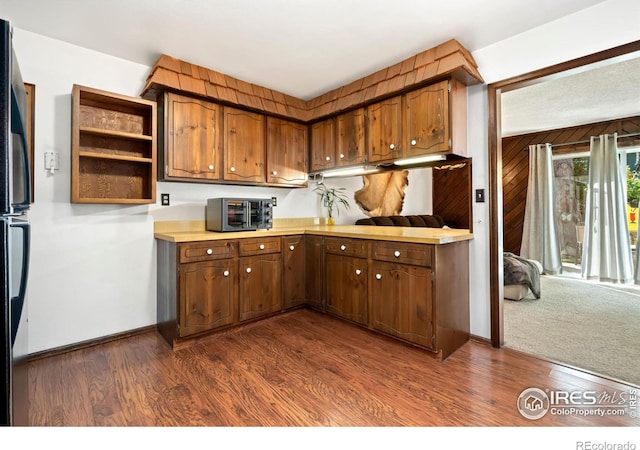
pixel 426 120
pixel 435 119
pixel 193 138
pixel 323 145
pixel 244 146
pixel 384 130
pixel 287 152
pixel 350 147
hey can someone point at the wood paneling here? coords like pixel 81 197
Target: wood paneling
pixel 515 166
pixel 298 369
pixel 452 194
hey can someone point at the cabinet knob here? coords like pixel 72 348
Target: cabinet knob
pixel 392 146
pixel 413 142
pixel 248 269
pixel 261 246
pixel 232 169
pixel 396 253
pixel 343 247
pixel 211 167
pixel 209 251
pixel 274 173
pixel 225 273
pixel 378 276
pixel 341 155
pixel 292 247
pixel 328 158
pixel 358 271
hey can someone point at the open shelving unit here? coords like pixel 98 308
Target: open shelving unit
pixel 113 146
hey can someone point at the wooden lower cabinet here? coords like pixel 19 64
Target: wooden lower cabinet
pixel 208 295
pixel 293 266
pixel 402 302
pixel 415 292
pixel 260 290
pixel 346 287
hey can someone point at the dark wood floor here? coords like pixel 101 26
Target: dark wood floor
pixel 297 369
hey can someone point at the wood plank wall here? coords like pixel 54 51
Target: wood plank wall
pixel 515 166
pixel 452 194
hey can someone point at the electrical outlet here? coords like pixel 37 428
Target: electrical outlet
pixel 164 199
pixel 274 201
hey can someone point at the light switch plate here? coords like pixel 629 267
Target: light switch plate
pixel 479 195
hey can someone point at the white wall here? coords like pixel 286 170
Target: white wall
pixel 93 266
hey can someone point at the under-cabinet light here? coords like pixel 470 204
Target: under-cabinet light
pixel 419 160
pixel 349 171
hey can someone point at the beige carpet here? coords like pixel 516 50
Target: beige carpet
pixel 579 323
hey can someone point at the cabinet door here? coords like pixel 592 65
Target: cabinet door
pixel 208 295
pixel 402 302
pixel 287 151
pixel 244 146
pixel 350 147
pixel 323 145
pixel 347 287
pixel 384 130
pixel 426 120
pixel 193 138
pixel 260 285
pixel 294 271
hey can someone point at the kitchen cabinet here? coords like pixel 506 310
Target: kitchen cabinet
pixel 323 145
pixel 314 271
pixel 434 120
pixel 197 287
pixel 244 146
pixel 208 295
pixel 287 152
pixel 346 294
pixel 402 302
pixel 384 130
pixel 346 278
pixel 113 148
pixel 260 267
pixel 415 292
pixel 192 138
pixel 350 148
pixel 293 278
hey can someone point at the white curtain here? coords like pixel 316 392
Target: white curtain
pixel 606 254
pixel 540 232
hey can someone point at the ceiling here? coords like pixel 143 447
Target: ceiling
pixel 300 47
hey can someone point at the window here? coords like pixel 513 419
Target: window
pixel 572 179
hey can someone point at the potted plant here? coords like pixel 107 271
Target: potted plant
pixel 332 198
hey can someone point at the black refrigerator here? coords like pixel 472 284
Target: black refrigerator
pixel 15 199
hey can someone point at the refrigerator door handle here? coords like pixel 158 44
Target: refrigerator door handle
pixel 17 127
pixel 17 302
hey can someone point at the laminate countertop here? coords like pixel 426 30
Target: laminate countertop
pixel 419 235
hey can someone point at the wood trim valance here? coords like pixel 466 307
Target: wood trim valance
pixel 447 59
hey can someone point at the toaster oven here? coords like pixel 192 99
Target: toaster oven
pixel 239 214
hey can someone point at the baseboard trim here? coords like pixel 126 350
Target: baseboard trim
pixel 480 339
pixel 89 343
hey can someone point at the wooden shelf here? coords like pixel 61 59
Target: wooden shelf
pixel 113 148
pixel 116 134
pixel 115 157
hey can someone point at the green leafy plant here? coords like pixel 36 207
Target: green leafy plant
pixel 332 198
pixel 633 188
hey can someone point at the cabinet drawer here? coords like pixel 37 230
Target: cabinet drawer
pixel 259 246
pixel 207 250
pixel 403 253
pixel 349 247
